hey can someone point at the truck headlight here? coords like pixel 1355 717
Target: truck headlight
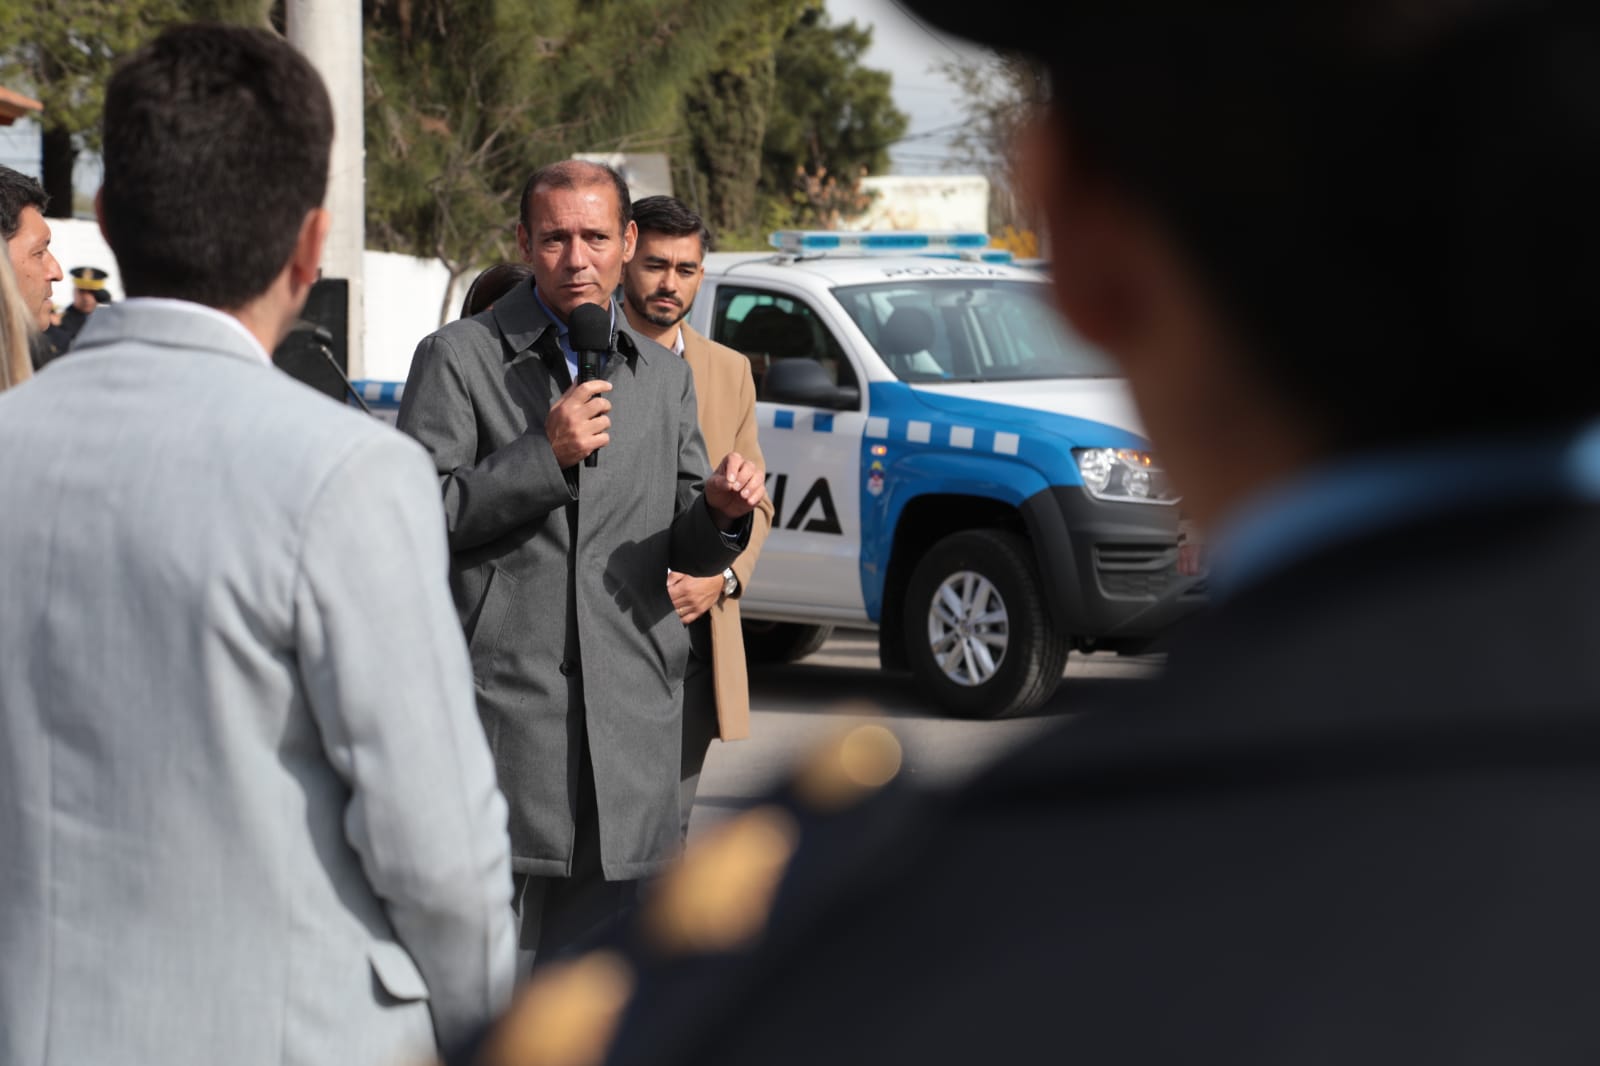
pixel 1124 475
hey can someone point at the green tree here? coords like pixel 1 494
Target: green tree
pixel 442 132
pixel 781 131
pixel 464 99
pixel 832 122
pixel 725 118
pixel 63 53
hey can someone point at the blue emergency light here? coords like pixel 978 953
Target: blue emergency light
pixel 953 244
pixel 988 255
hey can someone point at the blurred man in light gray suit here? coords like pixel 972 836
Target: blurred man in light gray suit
pixel 247 813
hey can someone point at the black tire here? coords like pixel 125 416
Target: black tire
pixel 992 573
pixel 781 642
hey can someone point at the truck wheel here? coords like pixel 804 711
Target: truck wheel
pixel 978 633
pixel 781 642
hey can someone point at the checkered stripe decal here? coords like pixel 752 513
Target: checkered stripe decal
pixel 967 438
pixel 383 393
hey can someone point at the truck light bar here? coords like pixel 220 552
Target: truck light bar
pixel 988 255
pixel 950 243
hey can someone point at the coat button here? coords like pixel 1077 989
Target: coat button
pixel 568 668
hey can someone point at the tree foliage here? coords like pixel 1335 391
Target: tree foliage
pixel 725 116
pixel 63 53
pixel 1001 93
pixel 833 119
pixel 762 105
pixel 443 134
pixel 782 131
pixel 464 99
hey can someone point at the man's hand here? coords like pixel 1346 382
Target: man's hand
pixel 578 422
pixel 734 489
pixel 692 596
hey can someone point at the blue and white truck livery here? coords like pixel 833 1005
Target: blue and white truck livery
pixel 949 466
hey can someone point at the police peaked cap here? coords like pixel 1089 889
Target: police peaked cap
pixel 91 279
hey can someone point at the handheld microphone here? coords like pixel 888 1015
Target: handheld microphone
pixel 589 331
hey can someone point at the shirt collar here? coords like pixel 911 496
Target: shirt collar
pixel 1352 497
pixel 561 327
pixel 190 307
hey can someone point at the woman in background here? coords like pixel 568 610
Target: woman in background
pixel 493 283
pixel 15 364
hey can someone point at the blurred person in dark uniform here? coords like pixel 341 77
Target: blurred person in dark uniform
pixel 88 292
pixel 1344 254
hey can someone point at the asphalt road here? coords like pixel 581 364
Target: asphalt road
pixel 797 707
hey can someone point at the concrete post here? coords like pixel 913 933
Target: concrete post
pixel 328 32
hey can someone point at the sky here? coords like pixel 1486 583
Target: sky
pixel 902 45
pixel 19 146
pixel 19 150
pixel 910 50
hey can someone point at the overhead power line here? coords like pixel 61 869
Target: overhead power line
pixel 937 131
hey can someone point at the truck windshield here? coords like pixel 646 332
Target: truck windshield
pixel 970 329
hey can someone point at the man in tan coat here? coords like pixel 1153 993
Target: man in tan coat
pixel 659 286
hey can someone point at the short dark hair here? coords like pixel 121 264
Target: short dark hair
pixel 671 216
pixel 491 284
pixel 18 192
pixel 576 174
pixel 1394 203
pixel 216 146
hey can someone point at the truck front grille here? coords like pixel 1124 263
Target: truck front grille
pixel 1135 571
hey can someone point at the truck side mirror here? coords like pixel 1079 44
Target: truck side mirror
pixel 805 382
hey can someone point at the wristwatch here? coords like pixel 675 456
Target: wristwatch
pixel 730 584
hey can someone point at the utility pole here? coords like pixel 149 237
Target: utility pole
pixel 328 33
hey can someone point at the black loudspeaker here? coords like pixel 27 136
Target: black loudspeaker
pixel 317 349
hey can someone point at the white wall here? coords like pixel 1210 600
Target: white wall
pixel 77 243
pixel 937 202
pixel 404 294
pixel 403 300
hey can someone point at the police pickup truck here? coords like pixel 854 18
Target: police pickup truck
pixel 948 464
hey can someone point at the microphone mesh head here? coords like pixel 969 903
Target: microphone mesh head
pixel 590 326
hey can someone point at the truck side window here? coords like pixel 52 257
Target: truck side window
pixel 768 326
pixel 919 338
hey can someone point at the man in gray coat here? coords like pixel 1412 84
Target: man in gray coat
pixel 247 815
pixel 559 566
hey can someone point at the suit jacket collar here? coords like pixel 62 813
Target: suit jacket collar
pixel 1357 495
pixel 523 323
pixel 165 325
pixel 696 349
pixel 520 320
pixel 692 338
pixel 636 345
pixel 694 344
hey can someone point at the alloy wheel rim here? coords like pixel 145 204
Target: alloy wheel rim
pixel 968 628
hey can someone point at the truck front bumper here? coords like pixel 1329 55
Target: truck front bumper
pixel 1110 570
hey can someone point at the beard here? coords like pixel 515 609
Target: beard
pixel 659 317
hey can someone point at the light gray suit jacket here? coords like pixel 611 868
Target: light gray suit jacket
pixel 247 813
